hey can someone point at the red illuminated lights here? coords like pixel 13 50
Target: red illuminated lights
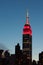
pixel 27 29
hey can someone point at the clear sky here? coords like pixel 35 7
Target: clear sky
pixel 12 20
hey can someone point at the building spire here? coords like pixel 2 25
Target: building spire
pixel 27 13
pixel 27 17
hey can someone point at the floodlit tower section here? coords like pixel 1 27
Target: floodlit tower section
pixel 27 39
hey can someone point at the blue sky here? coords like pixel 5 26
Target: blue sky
pixel 12 20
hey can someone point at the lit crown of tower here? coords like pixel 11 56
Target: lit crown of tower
pixel 27 28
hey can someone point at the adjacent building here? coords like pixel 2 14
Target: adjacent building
pixel 40 58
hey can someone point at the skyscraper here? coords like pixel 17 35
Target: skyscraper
pixel 27 40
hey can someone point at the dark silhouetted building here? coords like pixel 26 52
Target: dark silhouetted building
pixel 27 40
pixel 1 51
pixel 12 59
pixel 34 62
pixel 40 58
pixel 17 49
pixel 18 55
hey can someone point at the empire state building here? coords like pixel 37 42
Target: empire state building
pixel 27 40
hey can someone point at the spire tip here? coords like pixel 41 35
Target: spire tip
pixel 27 21
pixel 27 13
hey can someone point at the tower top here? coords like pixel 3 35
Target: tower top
pixel 27 18
pixel 27 28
